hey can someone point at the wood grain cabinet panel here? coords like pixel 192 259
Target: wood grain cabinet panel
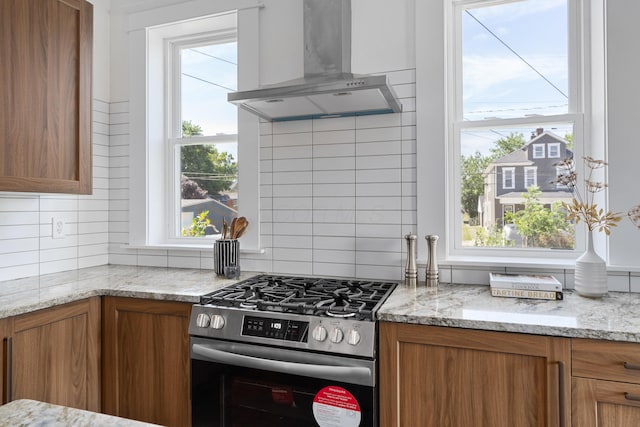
pixel 5 343
pixel 146 360
pixel 448 377
pixel 45 114
pixel 55 355
pixel 605 384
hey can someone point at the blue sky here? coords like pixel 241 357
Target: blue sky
pixel 515 64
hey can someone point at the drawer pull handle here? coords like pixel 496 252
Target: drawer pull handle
pixel 628 365
pixel 633 397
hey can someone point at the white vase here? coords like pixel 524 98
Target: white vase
pixel 591 273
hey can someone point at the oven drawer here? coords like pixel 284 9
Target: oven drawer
pixel 607 360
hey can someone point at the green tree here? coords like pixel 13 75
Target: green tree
pixel 507 145
pixel 214 171
pixel 536 223
pixel 189 129
pixel 472 170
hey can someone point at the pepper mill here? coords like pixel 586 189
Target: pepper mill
pixel 431 279
pixel 411 270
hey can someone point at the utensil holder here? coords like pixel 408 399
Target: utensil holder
pixel 225 253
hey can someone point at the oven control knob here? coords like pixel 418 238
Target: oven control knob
pixel 353 337
pixel 336 335
pixel 202 321
pixel 217 321
pixel 319 333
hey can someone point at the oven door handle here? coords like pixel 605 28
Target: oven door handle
pixel 361 375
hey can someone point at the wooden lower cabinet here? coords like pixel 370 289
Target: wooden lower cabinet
pixel 605 384
pixel 450 377
pixel 5 337
pixel 145 371
pixel 54 355
pixel 599 403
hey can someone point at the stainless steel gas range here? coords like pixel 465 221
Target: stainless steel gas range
pixel 287 351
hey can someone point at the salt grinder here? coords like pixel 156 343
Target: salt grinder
pixel 411 270
pixel 431 279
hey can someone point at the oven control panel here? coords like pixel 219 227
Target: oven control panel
pixel 280 329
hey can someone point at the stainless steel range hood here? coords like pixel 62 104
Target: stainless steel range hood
pixel 328 88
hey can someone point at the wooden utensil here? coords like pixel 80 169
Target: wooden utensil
pixel 240 227
pixel 233 228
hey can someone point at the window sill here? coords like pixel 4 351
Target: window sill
pixel 188 247
pixel 509 262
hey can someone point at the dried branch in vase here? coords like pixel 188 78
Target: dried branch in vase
pixel 634 215
pixel 583 207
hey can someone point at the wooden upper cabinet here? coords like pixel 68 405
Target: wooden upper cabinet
pixel 46 49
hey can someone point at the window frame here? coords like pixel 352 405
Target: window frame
pixel 577 114
pixel 148 188
pixel 527 171
pixel 541 147
pixel 175 140
pixel 512 172
pixel 555 145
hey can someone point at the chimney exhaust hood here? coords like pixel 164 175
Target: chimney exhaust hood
pixel 328 88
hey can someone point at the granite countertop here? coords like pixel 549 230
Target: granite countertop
pixel 171 284
pixel 32 413
pixel 614 317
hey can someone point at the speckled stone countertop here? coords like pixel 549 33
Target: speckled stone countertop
pixel 31 413
pixel 171 284
pixel 614 317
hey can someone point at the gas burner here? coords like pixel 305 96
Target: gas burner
pixel 315 296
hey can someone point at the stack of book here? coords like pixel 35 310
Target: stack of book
pixel 532 286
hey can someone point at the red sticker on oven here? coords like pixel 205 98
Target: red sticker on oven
pixel 334 406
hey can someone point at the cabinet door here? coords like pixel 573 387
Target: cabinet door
pixel 448 377
pixel 599 403
pixel 45 113
pixel 145 372
pixel 56 354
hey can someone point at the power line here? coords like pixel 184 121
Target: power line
pixel 516 54
pixel 209 82
pixel 213 56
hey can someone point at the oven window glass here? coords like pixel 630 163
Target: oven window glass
pixel 228 396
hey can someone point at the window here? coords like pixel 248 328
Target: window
pixel 538 151
pixel 515 77
pixel 203 146
pixel 508 178
pixel 530 176
pixel 182 130
pixel 554 150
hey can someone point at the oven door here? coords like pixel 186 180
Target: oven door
pixel 237 385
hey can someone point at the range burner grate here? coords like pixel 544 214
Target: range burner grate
pixel 358 299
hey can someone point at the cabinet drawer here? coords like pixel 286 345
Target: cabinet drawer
pixel 608 360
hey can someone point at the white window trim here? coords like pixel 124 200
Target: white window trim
pixel 578 69
pixel 538 151
pixel 555 145
pixel 511 171
pixel 528 171
pixel 148 223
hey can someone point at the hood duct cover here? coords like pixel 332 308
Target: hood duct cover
pixel 328 88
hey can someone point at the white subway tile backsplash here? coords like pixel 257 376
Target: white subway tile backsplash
pixel 292 190
pixel 340 243
pixel 337 123
pixel 292 203
pixel 379 162
pixel 379 189
pixel 379 230
pixel 334 256
pixel 378 244
pixel 373 175
pixel 297 152
pixel 378 272
pixel 339 163
pixel 334 177
pixel 333 229
pixel 291 177
pixel 334 137
pixel 334 150
pixel 292 267
pixel 301 242
pixel 379 134
pixel 334 269
pixel 378 121
pixel 334 190
pixel 334 216
pixel 295 126
pixel 378 217
pixel 292 165
pixel 292 139
pixel 333 203
pixel 378 203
